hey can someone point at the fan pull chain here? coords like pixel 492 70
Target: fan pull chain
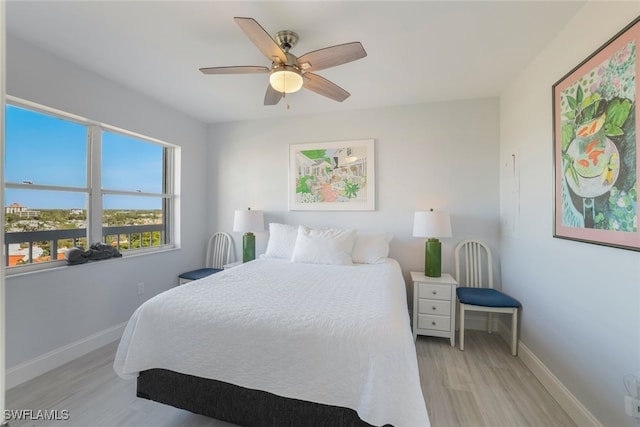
pixel 284 96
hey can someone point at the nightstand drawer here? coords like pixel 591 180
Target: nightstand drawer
pixel 431 291
pixel 441 308
pixel 439 323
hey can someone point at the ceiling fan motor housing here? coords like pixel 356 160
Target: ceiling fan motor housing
pixel 286 39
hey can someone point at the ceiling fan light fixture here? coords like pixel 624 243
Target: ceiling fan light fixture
pixel 286 79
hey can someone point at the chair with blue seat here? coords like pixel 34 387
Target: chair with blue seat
pixel 218 254
pixel 473 257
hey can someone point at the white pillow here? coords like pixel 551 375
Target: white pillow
pixel 282 240
pixel 328 246
pixel 371 248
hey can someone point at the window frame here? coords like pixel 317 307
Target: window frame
pixel 93 186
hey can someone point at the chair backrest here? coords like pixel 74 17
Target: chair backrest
pixel 473 257
pixel 218 250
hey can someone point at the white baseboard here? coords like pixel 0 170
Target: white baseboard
pixel 30 369
pixel 571 405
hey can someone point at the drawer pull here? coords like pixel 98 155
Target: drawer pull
pixel 433 308
pixel 433 323
pixel 435 293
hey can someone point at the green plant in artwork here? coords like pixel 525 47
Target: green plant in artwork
pixel 303 184
pixel 351 189
pixel 620 214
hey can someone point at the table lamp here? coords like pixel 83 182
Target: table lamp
pixel 248 221
pixel 432 225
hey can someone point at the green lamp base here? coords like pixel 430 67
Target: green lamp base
pixel 432 258
pixel 248 247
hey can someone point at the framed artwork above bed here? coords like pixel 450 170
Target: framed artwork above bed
pixel 332 176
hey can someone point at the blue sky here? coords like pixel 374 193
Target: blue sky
pixel 49 151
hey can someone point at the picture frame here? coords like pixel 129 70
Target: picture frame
pixel 596 145
pixel 332 176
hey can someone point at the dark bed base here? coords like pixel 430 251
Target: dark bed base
pixel 238 405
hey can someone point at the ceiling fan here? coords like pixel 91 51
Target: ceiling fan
pixel 289 73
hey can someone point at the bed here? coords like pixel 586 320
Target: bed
pixel 273 341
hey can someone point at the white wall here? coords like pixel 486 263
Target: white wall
pixel 50 309
pixel 581 314
pixel 441 155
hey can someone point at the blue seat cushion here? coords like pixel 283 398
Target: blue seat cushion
pixel 199 273
pixel 485 297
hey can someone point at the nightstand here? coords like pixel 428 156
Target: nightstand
pixel 434 306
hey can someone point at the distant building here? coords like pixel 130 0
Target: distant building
pixel 15 208
pixel 21 211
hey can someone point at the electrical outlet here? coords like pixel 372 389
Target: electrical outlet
pixel 632 406
pixel 140 288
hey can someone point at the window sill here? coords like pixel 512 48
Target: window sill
pixel 63 266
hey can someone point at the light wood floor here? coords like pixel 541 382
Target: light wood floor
pixel 482 386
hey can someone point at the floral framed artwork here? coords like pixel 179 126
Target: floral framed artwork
pixel 332 176
pixel 596 145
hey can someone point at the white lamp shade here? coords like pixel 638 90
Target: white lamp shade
pixel 431 224
pixel 248 221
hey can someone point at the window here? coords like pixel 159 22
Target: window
pixel 136 197
pixel 70 181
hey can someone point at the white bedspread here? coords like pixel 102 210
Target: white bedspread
pixel 337 335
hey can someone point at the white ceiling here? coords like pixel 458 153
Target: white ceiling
pixel 419 51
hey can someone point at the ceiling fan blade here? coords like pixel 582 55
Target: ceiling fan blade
pixel 272 97
pixel 331 56
pixel 261 39
pixel 249 69
pixel 324 87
